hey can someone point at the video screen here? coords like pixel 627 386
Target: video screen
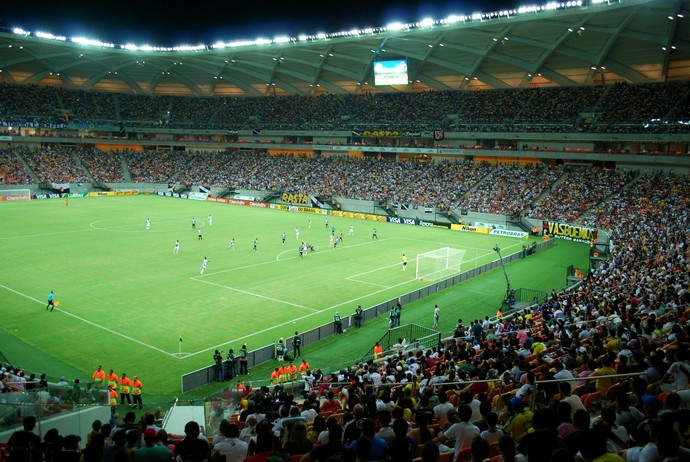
pixel 390 72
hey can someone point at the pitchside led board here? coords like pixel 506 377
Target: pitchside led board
pixel 392 72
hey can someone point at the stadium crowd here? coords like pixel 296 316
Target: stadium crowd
pixel 536 190
pixel 617 108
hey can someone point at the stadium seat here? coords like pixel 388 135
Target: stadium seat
pixel 464 455
pixel 589 399
pixel 445 456
pixel 296 457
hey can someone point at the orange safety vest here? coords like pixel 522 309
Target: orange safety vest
pixel 98 376
pixel 292 371
pixel 378 351
pixel 124 385
pixel 112 380
pixel 136 387
pixel 113 397
pixel 274 377
pixel 282 373
pixel 304 368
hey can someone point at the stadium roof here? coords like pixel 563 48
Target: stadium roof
pixel 562 44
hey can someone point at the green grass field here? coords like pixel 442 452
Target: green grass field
pixel 126 299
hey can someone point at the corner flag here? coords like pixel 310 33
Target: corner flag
pixel 180 339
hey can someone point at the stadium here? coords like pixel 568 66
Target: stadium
pixel 525 170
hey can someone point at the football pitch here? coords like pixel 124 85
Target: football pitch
pixel 130 303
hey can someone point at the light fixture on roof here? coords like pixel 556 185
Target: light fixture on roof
pixel 395 26
pixel 426 22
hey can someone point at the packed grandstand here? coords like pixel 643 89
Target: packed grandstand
pixel 597 372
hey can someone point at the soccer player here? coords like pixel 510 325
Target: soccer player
pixel 404 262
pixel 51 301
pixel 297 233
pixel 193 223
pixel 331 238
pixel 283 237
pixel 210 220
pixel 232 244
pixel 340 236
pixel 309 223
pixel 437 314
pixel 352 231
pixel 199 234
pixel 326 223
pixel 256 242
pixel 204 264
pixel 375 235
pixel 302 250
pixel 148 224
pixel 176 249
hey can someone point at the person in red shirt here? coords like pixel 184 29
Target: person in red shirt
pixel 331 404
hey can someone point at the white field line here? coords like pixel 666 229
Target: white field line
pixel 91 228
pixel 142 226
pixel 246 292
pixel 90 322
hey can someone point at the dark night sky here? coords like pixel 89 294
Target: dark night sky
pixel 171 22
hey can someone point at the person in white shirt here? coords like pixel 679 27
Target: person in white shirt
pixel 232 447
pixel 441 410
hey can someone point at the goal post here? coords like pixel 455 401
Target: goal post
pixel 439 263
pixel 15 194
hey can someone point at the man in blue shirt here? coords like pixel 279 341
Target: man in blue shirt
pixel 51 301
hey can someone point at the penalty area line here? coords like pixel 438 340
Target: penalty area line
pixel 86 321
pixel 246 292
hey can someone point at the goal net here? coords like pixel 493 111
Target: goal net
pixel 439 263
pixel 15 194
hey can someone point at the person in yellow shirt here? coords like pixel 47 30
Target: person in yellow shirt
pixel 404 262
pixel 136 392
pixel 602 385
pixel 98 377
pixel 124 389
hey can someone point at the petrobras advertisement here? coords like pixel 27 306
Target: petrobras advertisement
pixel 509 233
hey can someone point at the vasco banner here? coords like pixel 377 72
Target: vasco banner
pixel 570 232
